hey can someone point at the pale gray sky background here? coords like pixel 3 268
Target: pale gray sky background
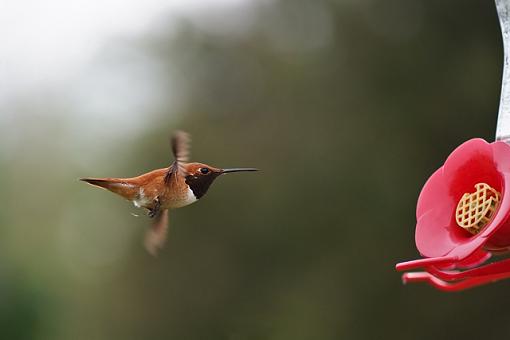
pixel 79 56
pixel 43 41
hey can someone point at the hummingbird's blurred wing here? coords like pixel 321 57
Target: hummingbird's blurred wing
pixel 180 143
pixel 155 237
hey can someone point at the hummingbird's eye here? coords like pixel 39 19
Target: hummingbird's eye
pixel 204 171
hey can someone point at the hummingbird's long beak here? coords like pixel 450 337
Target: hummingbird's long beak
pixel 224 171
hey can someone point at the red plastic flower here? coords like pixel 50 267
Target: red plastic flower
pixel 475 180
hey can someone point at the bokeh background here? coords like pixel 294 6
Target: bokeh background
pixel 347 106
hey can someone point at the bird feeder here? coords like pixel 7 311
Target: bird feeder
pixel 463 209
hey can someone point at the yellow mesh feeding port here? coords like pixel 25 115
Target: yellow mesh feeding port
pixel 476 209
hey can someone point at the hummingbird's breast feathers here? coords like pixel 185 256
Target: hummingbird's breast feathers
pixel 174 193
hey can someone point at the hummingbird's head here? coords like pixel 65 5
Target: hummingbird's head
pixel 200 176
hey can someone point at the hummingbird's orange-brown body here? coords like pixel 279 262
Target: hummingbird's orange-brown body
pixel 159 190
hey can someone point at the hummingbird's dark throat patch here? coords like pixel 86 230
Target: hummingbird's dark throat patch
pixel 199 184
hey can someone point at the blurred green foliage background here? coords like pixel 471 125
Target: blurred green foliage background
pixel 346 106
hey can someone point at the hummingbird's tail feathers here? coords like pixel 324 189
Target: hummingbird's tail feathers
pixel 118 186
pixel 155 237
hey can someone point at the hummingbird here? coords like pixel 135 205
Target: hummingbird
pixel 160 190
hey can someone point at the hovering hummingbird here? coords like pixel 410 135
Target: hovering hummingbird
pixel 158 191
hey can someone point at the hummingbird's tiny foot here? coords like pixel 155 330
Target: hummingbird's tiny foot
pixel 155 211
